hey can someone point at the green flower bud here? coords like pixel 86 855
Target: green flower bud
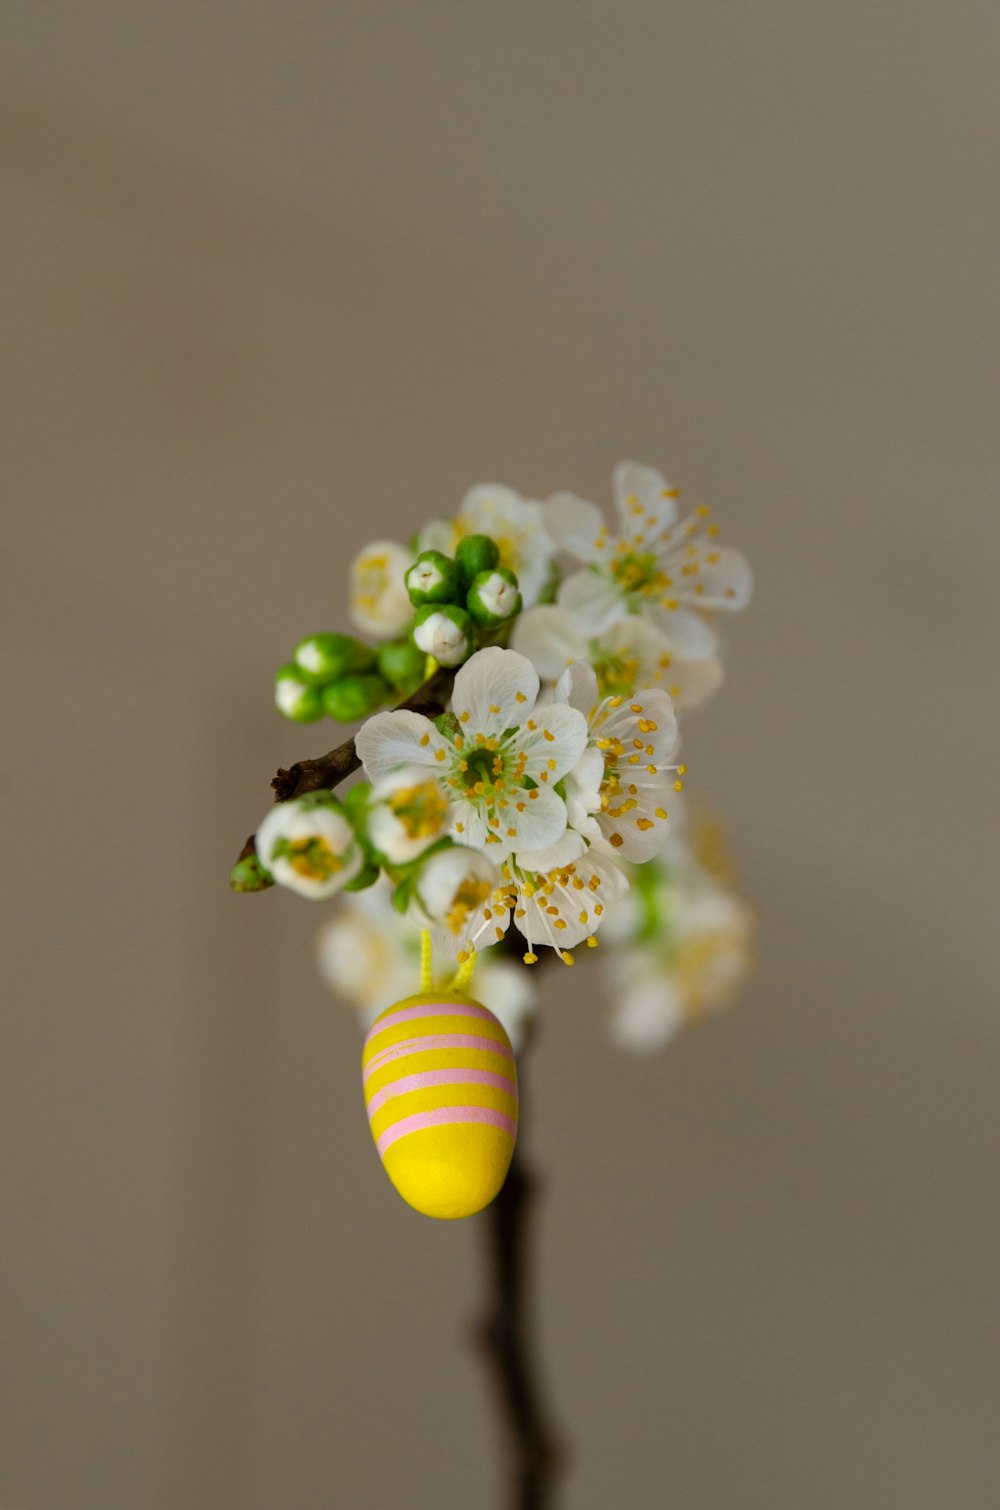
pixel 325 657
pixel 294 697
pixel 353 697
pixel 402 664
pixel 475 553
pixel 493 598
pixel 249 874
pixel 444 631
pixel 433 578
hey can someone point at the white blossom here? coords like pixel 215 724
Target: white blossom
pixel 629 653
pixel 380 603
pixel 665 569
pixel 450 889
pixel 498 763
pixel 409 810
pixel 309 846
pixel 626 808
pixel 683 941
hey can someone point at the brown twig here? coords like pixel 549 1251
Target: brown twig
pixel 325 772
pixel 535 1453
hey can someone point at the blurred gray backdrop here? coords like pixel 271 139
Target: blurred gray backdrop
pixel 281 279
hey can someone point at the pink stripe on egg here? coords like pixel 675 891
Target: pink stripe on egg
pixel 429 1009
pixel 421 1082
pixel 432 1042
pixel 444 1116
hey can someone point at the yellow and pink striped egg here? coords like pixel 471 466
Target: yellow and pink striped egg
pixel 440 1087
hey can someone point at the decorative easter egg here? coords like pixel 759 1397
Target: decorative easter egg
pixel 440 1087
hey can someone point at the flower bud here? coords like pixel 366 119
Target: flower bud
pixel 444 631
pixel 433 578
pixel 294 697
pixel 309 845
pixel 475 553
pixel 408 811
pixel 401 664
pixel 324 657
pixel 493 598
pixel 451 890
pixel 353 697
pixel 380 604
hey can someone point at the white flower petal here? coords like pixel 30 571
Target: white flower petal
pixel 494 690
pixel 645 723
pixel 594 599
pixel 638 833
pixel 576 526
pixel 564 851
pixel 726 581
pixel 583 791
pixel 534 821
pixel 647 504
pixel 687 634
pixel 566 906
pixel 554 745
pixel 438 535
pixel 691 683
pixel 549 637
pixel 577 686
pixel 399 738
pixel 469 824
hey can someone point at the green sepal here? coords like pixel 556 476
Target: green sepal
pixel 447 724
pixel 365 878
pixel 309 801
pixel 248 874
pixel 353 697
pixel 551 585
pixel 447 590
pixel 401 664
pixel 475 554
pixel 356 802
pixel 322 658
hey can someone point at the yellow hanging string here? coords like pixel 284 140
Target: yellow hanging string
pixel 426 965
pixel 464 973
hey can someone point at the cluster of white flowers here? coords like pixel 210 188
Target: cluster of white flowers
pixel 544 789
pixel 682 939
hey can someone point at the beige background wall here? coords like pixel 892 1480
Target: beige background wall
pixel 277 279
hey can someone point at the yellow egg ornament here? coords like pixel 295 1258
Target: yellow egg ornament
pixel 440 1084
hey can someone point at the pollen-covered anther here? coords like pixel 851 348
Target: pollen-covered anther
pixel 566 957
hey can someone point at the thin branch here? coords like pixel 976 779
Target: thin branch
pixel 535 1454
pixel 325 772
